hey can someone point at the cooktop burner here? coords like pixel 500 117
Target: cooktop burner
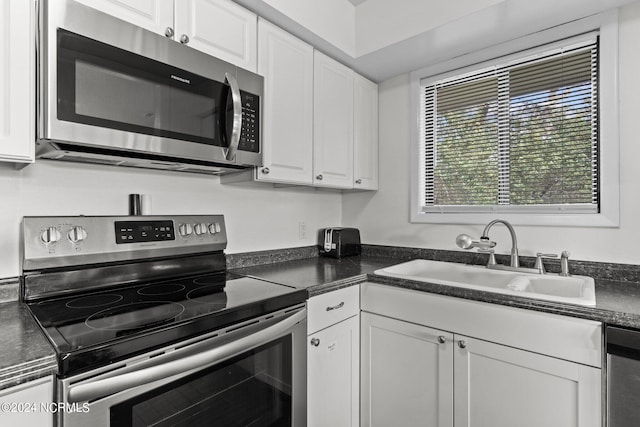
pixel 136 315
pixel 164 289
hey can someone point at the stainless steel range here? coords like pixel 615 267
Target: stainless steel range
pixel 150 328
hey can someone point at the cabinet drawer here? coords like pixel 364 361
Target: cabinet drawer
pixel 333 307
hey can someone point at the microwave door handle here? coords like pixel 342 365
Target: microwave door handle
pixel 237 117
pixel 101 388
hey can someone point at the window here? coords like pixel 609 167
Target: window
pixel 522 134
pixel 519 137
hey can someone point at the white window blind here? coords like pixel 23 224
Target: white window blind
pixel 518 137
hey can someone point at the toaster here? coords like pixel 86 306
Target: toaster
pixel 339 242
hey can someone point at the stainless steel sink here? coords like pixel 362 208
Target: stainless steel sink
pixel 573 289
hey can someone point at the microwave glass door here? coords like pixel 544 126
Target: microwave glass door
pixel 254 388
pixel 102 85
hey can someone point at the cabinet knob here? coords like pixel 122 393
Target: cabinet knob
pixel 358 181
pixel 462 344
pixel 184 39
pixel 319 177
pixel 315 342
pixel 265 171
pixel 168 32
pixel 442 339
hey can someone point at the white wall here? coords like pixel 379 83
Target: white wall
pixel 258 216
pixel 383 217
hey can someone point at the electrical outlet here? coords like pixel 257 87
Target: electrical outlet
pixel 302 230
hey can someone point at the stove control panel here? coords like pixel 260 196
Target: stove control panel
pixel 66 241
pixel 144 231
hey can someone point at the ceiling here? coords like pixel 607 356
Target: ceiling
pixel 393 37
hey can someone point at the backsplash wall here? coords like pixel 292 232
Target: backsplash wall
pixel 258 216
pixel 383 217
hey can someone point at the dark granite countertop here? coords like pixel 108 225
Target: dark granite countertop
pixel 318 274
pixel 617 302
pixel 25 353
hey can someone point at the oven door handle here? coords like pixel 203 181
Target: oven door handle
pixel 105 387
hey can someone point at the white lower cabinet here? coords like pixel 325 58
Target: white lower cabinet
pixel 405 368
pixel 28 404
pixel 500 386
pixel 333 359
pixel 495 367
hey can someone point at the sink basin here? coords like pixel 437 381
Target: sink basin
pixel 552 287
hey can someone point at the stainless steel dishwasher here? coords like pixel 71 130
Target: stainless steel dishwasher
pixel 623 377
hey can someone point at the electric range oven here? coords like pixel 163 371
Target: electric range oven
pixel 151 330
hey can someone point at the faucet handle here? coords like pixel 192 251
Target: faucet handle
pixel 539 264
pixel 492 256
pixel 564 263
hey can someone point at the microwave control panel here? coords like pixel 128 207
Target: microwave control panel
pixel 250 133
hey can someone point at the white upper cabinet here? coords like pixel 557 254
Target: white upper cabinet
pixel 219 28
pixel 333 123
pixel 365 134
pixel 153 15
pixel 17 77
pixel 287 121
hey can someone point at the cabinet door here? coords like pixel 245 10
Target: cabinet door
pixel 501 386
pixel 406 374
pixel 17 77
pixel 333 123
pixel 219 28
pixel 365 134
pixel 287 133
pixel 333 363
pixel 28 404
pixel 153 15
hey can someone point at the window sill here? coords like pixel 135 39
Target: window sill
pixel 562 220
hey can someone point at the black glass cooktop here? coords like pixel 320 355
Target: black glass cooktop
pixel 102 327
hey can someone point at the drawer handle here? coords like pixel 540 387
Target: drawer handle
pixel 335 307
pixel 462 344
pixel 315 342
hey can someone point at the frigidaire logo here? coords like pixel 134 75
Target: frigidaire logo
pixel 180 79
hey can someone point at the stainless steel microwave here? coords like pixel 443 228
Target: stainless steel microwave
pixel 110 92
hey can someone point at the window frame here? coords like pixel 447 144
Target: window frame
pixel 606 25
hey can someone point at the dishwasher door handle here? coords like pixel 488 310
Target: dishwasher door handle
pixel 105 387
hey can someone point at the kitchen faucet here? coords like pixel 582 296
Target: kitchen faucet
pixel 466 242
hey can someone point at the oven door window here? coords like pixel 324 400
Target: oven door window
pixel 105 86
pixel 252 389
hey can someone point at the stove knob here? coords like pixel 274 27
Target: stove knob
pixel 50 235
pixel 212 228
pixel 200 229
pixel 185 229
pixel 77 234
pixel 218 228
